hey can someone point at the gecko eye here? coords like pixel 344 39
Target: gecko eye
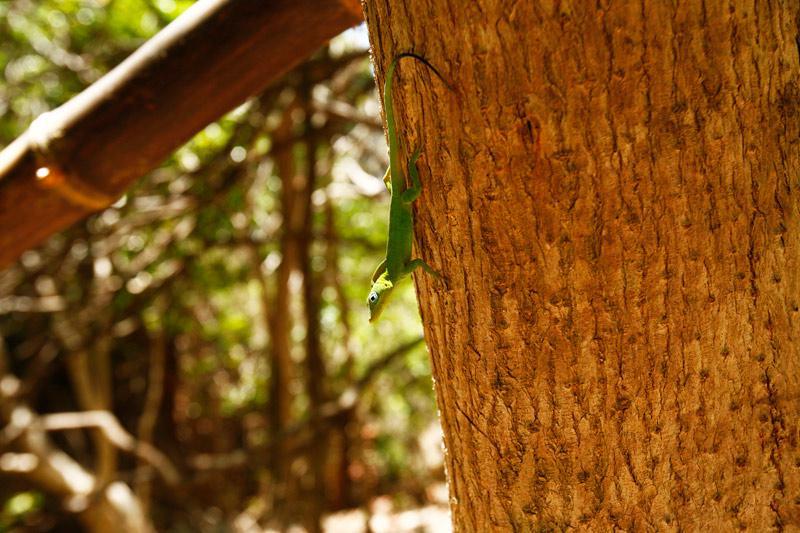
pixel 373 297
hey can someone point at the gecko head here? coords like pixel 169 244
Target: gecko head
pixel 378 296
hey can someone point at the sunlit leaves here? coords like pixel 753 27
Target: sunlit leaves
pixel 17 507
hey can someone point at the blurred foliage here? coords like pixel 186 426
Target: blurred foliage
pixel 17 507
pixel 163 307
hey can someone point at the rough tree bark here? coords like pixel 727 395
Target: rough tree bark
pixel 612 198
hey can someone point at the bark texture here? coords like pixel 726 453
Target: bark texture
pixel 612 199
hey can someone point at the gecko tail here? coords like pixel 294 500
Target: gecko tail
pixel 427 63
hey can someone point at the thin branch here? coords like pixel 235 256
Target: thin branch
pixel 117 435
pixel 348 113
pixel 4 365
pixel 152 406
pixel 366 378
pixel 334 273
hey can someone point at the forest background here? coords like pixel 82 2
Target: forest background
pixel 201 348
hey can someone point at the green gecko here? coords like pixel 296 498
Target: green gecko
pixel 398 263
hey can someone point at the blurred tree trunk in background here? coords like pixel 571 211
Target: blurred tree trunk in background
pixel 316 374
pixel 297 142
pixel 611 197
pixel 279 313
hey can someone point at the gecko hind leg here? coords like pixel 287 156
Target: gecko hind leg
pixel 413 192
pixel 419 263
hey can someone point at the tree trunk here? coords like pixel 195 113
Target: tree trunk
pixel 280 315
pixel 612 199
pixel 314 361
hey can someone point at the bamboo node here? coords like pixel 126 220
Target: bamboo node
pixel 52 176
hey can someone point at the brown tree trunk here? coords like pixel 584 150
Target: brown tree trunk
pixel 612 199
pixel 280 313
pixel 314 361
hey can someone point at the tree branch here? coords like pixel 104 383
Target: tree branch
pixel 117 435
